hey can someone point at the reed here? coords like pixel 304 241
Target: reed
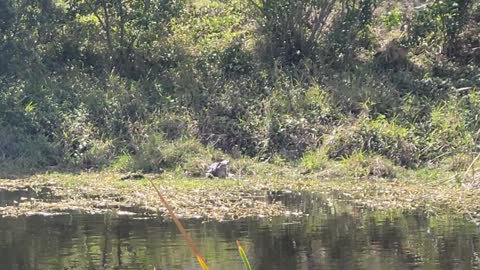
pixel 182 230
pixel 189 240
pixel 243 256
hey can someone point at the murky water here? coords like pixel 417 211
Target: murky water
pixel 333 236
pixel 19 194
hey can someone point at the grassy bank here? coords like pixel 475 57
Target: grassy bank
pixel 176 81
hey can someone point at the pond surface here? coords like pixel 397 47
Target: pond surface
pixel 329 235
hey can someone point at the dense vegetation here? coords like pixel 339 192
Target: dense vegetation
pixel 150 84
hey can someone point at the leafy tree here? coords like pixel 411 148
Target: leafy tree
pixel 124 28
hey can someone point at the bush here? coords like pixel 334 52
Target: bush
pixel 374 136
pixel 98 155
pixel 359 165
pixel 167 82
pixel 235 61
pixel 441 22
pixel 447 133
pixel 291 136
pixel 292 28
pixel 26 152
pixel 173 125
pixel 316 159
pixel 393 18
pixel 293 120
pixel 156 153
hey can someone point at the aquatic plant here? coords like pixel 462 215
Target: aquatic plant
pixel 182 230
pixel 243 256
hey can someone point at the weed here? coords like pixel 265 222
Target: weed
pixel 316 159
pixel 157 153
pixel 360 165
pixel 378 136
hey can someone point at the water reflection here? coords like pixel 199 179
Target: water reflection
pixel 332 236
pixel 10 197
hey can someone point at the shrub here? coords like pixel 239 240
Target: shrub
pixel 351 31
pixel 440 23
pixel 98 155
pixel 393 18
pixel 374 136
pixel 26 152
pixel 359 165
pixel 156 153
pixel 316 159
pixel 123 163
pixel 362 90
pixel 447 133
pixel 75 135
pixel 174 125
pixel 292 28
pixel 234 60
pixel 291 136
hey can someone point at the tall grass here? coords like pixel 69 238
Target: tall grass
pixel 244 257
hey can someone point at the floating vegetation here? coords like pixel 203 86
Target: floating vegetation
pixel 232 199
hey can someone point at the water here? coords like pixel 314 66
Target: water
pixel 334 235
pixel 14 196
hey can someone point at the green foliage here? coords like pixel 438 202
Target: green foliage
pixel 122 162
pixel 26 152
pixel 144 85
pixel 127 31
pixel 393 18
pixel 374 135
pixel 98 155
pixel 359 165
pixel 7 18
pixel 351 30
pixel 441 22
pixel 316 159
pixel 356 164
pixel 235 61
pixel 292 28
pixel 156 153
pixel 448 131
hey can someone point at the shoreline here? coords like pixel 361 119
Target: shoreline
pixel 227 199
